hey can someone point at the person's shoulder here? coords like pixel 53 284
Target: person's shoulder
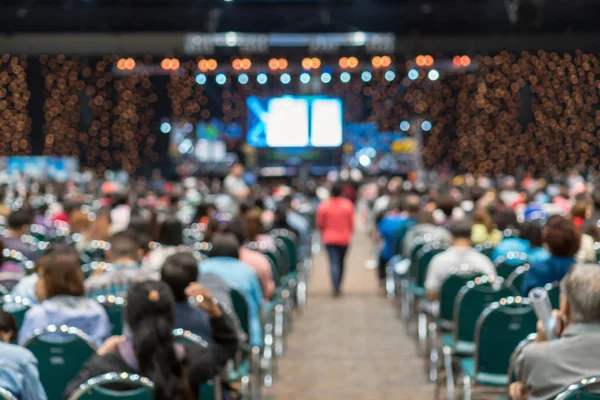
pixel 17 354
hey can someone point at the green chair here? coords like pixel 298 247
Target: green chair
pixel 553 290
pixel 500 329
pixel 597 248
pixel 114 308
pixel 61 351
pixel 485 248
pixel 6 395
pixel 581 390
pixel 143 388
pixel 204 248
pixel 290 240
pixel 515 279
pixel 3 291
pixel 506 265
pixel 96 250
pixel 470 302
pixel 17 307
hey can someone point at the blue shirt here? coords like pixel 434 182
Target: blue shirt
pixel 243 277
pixel 78 312
pixel 534 254
pixel 19 373
pixel 548 271
pixel 190 318
pixel 26 288
pixel 392 228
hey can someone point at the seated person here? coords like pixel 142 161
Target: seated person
pixel 18 367
pixel 62 299
pixel 18 225
pixel 484 229
pixel 459 253
pixel 562 239
pixel 529 242
pixel 425 226
pixel 179 272
pixel 125 255
pixel 545 368
pixel 225 262
pixel 150 349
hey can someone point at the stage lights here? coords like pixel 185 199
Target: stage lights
pixel 208 65
pixel 243 79
pixel 426 126
pixel 433 75
pixel 404 126
pixel 165 127
pixel 278 63
pixel 413 74
pixel 261 78
pixel 352 62
pixel 381 62
pixel 126 64
pixel 325 77
pixel 366 76
pixel 305 78
pixel 390 76
pixel 461 61
pixel 311 63
pixel 285 78
pixel 200 79
pixel 170 64
pixel 424 61
pixel 345 77
pixel 221 79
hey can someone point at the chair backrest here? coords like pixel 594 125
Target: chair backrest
pixel 241 308
pixel 93 390
pixel 452 284
pixel 553 290
pixel 470 302
pixel 3 291
pixel 114 308
pixel 59 360
pixel 269 252
pixel 424 258
pixel 500 329
pixel 6 395
pixel 515 279
pixel 18 258
pixel 485 248
pixel 582 390
pixel 97 249
pixel 507 264
pixel 204 248
pixel 290 240
pixel 207 389
pixel 17 307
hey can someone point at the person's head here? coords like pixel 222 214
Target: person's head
pixel 461 233
pixel 426 217
pixel 561 236
pixel 120 199
pixel 124 247
pixel 139 224
pixel 481 216
pixel 19 221
pixel 532 232
pixel 8 327
pixel 150 315
pixel 506 219
pixel 225 245
pixel 236 228
pixel 59 274
pixel 79 221
pixel 170 232
pixel 580 294
pixel 446 204
pixel 581 211
pixel 253 224
pixel 178 271
pixel 336 189
pixel 412 205
pixel 237 170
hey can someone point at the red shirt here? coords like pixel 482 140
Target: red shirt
pixel 335 220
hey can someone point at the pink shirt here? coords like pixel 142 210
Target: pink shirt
pixel 260 265
pixel 335 220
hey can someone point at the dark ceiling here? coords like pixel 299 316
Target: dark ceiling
pixel 403 17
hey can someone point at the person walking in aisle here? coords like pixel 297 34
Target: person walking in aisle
pixel 335 220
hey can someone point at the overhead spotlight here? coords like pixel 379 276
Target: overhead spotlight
pixel 212 64
pixel 305 78
pixel 390 76
pixel 426 126
pixel 283 63
pixel 243 79
pixel 359 38
pixel 165 127
pixel 386 61
pixel 285 78
pixel 345 77
pixel 325 77
pixel 433 75
pixel 376 62
pixel 316 63
pixel 274 63
pixel 200 79
pixel 420 60
pixel 366 76
pixel 221 79
pixel 413 74
pixel 121 64
pixel 307 63
pixel 169 63
pixel 456 61
pixel 428 61
pixel 352 62
pixel 404 126
pixel 202 65
pixel 343 62
pixel 246 63
pixel 236 64
pixel 231 39
pixel 465 61
pixel 261 78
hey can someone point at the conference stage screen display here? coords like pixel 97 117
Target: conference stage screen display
pixel 295 122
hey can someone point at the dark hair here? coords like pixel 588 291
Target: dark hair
pixel 579 210
pixel 336 189
pixel 18 219
pixel 150 314
pixel 124 245
pixel 253 225
pixel 138 223
pixel 461 229
pixel 225 245
pixel 506 219
pixel 562 236
pixel 62 274
pixel 426 217
pixel 446 204
pixel 8 325
pixel 532 232
pixel 120 199
pixel 235 228
pixel 178 271
pixel 170 232
pixel 481 216
pixel 412 204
